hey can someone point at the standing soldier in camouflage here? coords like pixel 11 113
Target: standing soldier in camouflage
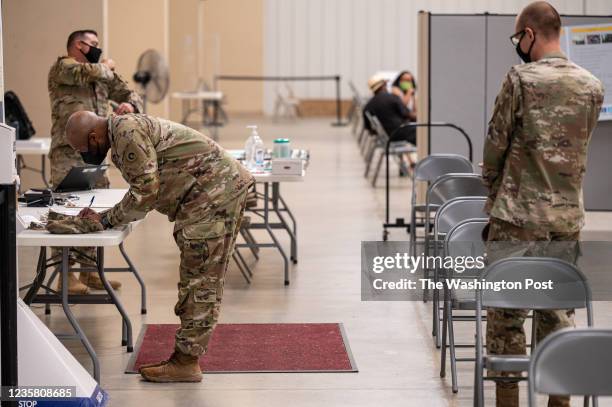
pixel 534 161
pixel 199 186
pixel 80 81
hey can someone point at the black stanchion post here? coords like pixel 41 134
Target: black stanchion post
pixel 338 121
pixel 8 288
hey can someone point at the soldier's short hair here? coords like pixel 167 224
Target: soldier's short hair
pixel 542 18
pixel 78 35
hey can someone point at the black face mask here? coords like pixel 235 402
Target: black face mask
pixel 93 158
pixel 93 55
pixel 525 56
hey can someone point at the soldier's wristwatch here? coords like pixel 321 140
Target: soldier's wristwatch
pixel 105 222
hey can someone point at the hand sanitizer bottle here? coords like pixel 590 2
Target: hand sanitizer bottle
pixel 259 152
pixel 249 159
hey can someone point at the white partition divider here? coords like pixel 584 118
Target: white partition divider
pixel 466 59
pixel 44 361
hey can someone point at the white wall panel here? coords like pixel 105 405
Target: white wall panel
pixel 355 38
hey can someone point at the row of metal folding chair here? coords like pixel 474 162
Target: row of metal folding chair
pixel 465 239
pixel 461 218
pixel 442 190
pixel 450 199
pixel 427 171
pixel 447 176
pixel 557 375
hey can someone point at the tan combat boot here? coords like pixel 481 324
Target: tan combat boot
pixel 75 287
pixel 92 280
pixel 507 395
pixel 558 401
pixel 179 368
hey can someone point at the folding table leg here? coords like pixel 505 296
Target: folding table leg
pixel 41 274
pixel 294 250
pixel 271 233
pixel 127 324
pixel 66 307
pixel 49 283
pixel 143 288
pixel 292 236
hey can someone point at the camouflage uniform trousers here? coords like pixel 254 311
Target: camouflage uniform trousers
pixel 505 327
pixel 62 159
pixel 206 247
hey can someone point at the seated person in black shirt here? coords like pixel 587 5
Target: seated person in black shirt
pixel 392 113
pixel 390 110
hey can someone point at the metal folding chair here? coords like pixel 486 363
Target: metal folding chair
pixel 428 170
pixel 397 148
pixel 443 189
pixel 572 362
pixel 286 104
pixel 571 290
pixel 446 217
pixel 367 137
pixel 464 239
pixel 355 111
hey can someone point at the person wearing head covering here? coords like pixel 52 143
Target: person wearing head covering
pixel 405 86
pixel 392 113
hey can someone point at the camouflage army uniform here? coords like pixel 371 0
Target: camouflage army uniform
pixel 75 86
pixel 62 224
pixel 191 179
pixel 534 163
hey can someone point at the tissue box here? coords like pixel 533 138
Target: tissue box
pixel 287 166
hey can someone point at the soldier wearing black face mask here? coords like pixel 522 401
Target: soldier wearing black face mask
pixel 534 160
pixel 78 81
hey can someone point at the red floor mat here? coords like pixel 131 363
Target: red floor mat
pixel 240 348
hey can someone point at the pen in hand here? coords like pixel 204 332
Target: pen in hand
pixel 85 212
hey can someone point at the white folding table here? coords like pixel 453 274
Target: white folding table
pixel 34 146
pixel 105 198
pixel 203 100
pixel 275 203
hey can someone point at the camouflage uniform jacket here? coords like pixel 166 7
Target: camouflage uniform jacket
pixel 75 86
pixel 535 151
pixel 171 168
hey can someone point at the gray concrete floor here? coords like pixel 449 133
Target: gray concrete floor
pixel 336 209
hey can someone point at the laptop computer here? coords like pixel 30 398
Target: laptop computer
pixel 81 178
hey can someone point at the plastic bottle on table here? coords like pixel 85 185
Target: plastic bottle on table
pixel 259 152
pixel 249 159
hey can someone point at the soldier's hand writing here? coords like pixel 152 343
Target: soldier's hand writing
pixel 109 62
pixel 124 108
pixel 87 213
